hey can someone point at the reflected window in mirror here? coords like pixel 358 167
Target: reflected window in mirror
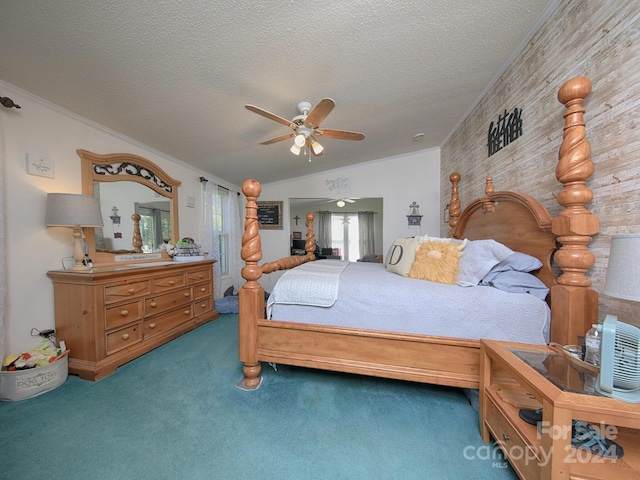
pixel 155 225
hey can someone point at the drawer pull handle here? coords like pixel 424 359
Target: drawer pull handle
pixel 131 291
pixel 152 325
pixel 203 305
pixel 505 437
pixel 187 312
pixel 172 282
pixel 124 313
pixel 202 289
pixel 187 294
pixel 153 304
pixel 125 336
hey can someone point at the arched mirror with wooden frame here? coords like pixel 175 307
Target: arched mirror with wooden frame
pixel 129 186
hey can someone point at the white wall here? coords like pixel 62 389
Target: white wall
pixel 31 248
pixel 399 180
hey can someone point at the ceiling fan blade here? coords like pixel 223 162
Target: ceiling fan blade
pixel 319 113
pixel 270 116
pixel 339 134
pixel 349 200
pixel 278 139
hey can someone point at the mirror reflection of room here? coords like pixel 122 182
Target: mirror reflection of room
pixel 128 198
pixel 350 232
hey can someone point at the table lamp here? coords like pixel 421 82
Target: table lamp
pixel 77 211
pixel 623 277
pixel 620 344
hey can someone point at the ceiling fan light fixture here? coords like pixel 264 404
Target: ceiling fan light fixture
pixel 316 147
pixel 300 140
pixel 295 149
pixel 340 203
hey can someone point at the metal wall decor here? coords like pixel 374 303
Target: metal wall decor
pixel 506 130
pixel 341 185
pixel 126 168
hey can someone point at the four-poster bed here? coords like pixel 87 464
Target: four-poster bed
pixel 515 220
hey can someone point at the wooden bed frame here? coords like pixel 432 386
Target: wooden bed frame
pixel 517 220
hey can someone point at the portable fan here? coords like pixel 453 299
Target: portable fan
pixel 619 360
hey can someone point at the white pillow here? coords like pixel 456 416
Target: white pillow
pixel 480 256
pixel 401 255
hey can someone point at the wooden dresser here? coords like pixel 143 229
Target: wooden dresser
pixel 115 314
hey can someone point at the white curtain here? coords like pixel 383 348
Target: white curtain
pixel 367 236
pixel 3 281
pixel 236 229
pixel 323 235
pixel 210 235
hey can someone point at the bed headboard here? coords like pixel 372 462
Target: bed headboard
pixel 516 220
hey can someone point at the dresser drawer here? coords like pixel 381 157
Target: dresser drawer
pixel 202 306
pixel 522 456
pixel 123 314
pixel 118 293
pixel 162 323
pixel 201 291
pixel 199 276
pixel 163 284
pixel 123 338
pixel 161 303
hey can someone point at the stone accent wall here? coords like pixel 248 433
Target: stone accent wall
pixel 593 38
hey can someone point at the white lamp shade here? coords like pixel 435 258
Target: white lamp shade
pixel 68 209
pixel 300 140
pixel 623 272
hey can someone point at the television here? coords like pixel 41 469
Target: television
pixel 298 244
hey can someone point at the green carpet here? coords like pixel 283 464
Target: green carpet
pixel 175 414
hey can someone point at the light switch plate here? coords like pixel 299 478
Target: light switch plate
pixel 189 201
pixel 39 165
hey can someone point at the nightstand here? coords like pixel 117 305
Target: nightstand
pixel 513 376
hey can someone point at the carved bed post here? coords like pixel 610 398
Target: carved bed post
pixel 574 304
pixel 488 204
pixel 137 237
pixel 454 204
pixel 251 301
pixel 310 245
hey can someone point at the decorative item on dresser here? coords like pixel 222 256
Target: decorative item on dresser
pixel 113 315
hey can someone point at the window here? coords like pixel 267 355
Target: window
pixel 345 235
pixel 221 222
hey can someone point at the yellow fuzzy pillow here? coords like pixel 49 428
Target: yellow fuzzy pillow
pixel 437 262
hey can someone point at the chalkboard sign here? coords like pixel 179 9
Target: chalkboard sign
pixel 270 215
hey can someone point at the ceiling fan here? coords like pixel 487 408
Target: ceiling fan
pixel 341 202
pixel 306 127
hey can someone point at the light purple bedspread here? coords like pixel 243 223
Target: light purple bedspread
pixel 370 297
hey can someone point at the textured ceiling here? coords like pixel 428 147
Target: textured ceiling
pixel 175 75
